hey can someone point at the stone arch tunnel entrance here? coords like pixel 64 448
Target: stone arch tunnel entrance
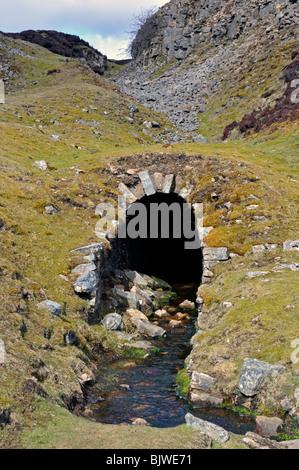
pixel 160 243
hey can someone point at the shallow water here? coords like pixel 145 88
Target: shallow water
pixel 146 388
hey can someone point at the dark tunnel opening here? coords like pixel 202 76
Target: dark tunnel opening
pixel 165 256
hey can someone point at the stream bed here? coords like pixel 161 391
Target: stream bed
pixel 130 388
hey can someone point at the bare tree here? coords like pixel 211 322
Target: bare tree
pixel 137 21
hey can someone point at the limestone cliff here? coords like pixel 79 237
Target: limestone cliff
pixel 207 63
pixel 178 27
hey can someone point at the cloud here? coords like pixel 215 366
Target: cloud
pixel 103 23
pixel 114 47
pixel 104 17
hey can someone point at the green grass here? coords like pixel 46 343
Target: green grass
pixel 34 247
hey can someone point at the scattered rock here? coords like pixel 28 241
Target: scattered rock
pixel 161 313
pixel 147 328
pixel 51 210
pixel 227 304
pixel 252 207
pixel 290 245
pixel 210 429
pixel 205 400
pixel 86 284
pixel 134 313
pixel 291 444
pixel 201 381
pixel 187 304
pixel 136 278
pixel 258 248
pixel 112 321
pixel 84 269
pixel 254 441
pixel 127 299
pixel 90 249
pixel 41 165
pixel 70 338
pixel 175 323
pixel 252 274
pixel 146 345
pixel 182 316
pixel 215 254
pixel 51 306
pixel 140 422
pixel 268 427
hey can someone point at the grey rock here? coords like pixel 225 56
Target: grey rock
pixel 252 274
pixel 254 372
pixel 136 278
pixel 127 193
pixel 258 248
pixel 147 328
pixel 254 441
pixel 205 400
pixel 112 321
pixel 146 345
pixel 291 266
pixel 290 245
pixel 144 298
pixel 41 165
pixel 200 139
pixel 86 284
pixel 90 249
pixel 84 268
pixel 215 253
pixel 169 184
pixel 147 183
pixel 70 338
pixel 205 427
pixel 51 210
pixel 201 381
pixel 291 444
pixel 51 306
pixel 187 304
pixel 268 427
pixel 126 299
pixel 124 336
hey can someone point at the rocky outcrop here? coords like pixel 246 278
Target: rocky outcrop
pixel 178 27
pixel 184 52
pixel 66 45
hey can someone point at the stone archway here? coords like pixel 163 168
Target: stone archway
pixel 111 255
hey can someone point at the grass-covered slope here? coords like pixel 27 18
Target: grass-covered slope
pixel 78 123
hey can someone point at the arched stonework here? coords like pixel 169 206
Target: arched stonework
pixel 104 257
pixel 157 183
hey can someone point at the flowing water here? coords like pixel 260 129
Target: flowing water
pixel 146 388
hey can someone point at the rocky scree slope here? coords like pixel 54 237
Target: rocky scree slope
pixel 202 61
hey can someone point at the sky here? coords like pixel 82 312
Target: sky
pixel 103 23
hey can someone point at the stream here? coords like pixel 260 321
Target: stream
pixel 130 388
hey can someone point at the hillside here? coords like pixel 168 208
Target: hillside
pixel 93 134
pixel 206 64
pixel 66 45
